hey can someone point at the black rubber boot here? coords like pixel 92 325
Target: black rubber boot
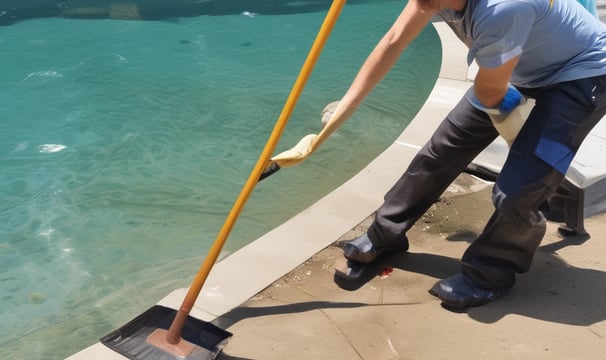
pixel 459 292
pixel 362 249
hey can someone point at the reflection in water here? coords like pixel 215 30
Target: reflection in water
pixel 15 10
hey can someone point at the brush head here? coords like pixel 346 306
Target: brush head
pixel 181 349
pixel 200 340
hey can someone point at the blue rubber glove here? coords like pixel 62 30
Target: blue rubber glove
pixel 512 99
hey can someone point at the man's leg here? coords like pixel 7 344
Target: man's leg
pixel 460 137
pixel 562 118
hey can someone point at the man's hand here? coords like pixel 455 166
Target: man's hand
pixel 297 154
pixel 509 117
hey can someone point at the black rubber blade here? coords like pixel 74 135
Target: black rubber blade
pixel 270 170
pixel 131 339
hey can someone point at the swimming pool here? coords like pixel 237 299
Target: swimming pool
pixel 123 145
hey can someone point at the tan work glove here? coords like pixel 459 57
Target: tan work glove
pixel 296 154
pixel 508 125
pixel 304 147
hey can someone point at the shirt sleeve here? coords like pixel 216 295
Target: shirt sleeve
pixel 500 32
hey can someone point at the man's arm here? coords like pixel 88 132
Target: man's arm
pixel 491 84
pixel 404 30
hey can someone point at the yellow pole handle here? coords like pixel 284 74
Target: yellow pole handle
pixel 174 332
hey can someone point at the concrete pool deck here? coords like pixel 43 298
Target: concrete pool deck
pixel 278 297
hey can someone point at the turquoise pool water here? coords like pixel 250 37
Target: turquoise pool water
pixel 124 144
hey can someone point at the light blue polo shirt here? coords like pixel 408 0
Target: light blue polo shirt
pixel 557 40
